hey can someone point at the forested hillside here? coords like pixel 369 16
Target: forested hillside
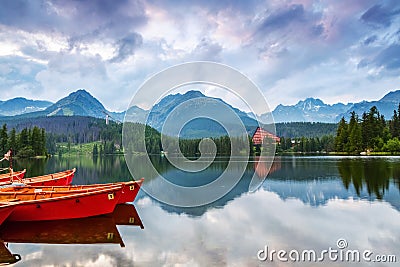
pixel 25 143
pixel 75 129
pixel 305 129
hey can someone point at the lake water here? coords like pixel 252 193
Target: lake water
pixel 345 204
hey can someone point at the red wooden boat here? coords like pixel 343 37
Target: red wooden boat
pixel 12 176
pixel 54 179
pixel 128 193
pixel 39 205
pixel 129 190
pixel 5 211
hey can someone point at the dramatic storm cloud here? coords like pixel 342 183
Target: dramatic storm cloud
pixel 335 50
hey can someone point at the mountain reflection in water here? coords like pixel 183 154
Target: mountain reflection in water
pixel 306 202
pixel 313 180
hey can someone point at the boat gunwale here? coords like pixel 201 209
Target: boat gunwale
pixel 4 176
pixel 53 176
pixel 106 185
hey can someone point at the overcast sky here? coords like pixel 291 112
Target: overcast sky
pixel 339 50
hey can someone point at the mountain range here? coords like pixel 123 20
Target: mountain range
pixel 82 103
pixel 78 103
pixel 201 107
pixel 310 110
pixel 315 110
pixel 20 105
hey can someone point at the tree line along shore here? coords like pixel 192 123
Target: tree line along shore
pixel 371 133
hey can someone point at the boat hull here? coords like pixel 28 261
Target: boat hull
pixel 129 190
pixel 5 211
pixel 56 179
pixel 69 206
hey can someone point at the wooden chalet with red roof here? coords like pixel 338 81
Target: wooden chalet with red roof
pixel 260 134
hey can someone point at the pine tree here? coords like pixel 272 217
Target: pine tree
pixel 3 140
pixel 22 139
pixel 36 141
pixel 303 144
pixel 29 143
pixel 95 150
pixel 12 141
pixel 283 143
pixel 307 146
pixel 43 150
pixel 341 136
pixel 381 126
pixel 394 124
pixel 51 145
pixel 313 145
pixel 288 143
pixel 355 138
pixel 328 143
pixel 372 128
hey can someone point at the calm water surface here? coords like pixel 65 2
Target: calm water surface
pixel 306 203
